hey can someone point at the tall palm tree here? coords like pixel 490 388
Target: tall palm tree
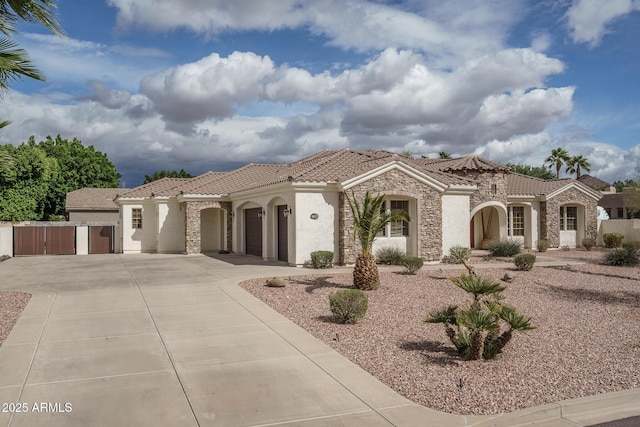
pixel 14 62
pixel 369 218
pixel 444 155
pixel 576 164
pixel 557 158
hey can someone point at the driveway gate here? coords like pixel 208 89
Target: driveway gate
pixel 48 240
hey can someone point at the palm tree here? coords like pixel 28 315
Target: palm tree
pixel 557 158
pixel 444 155
pixel 14 62
pixel 369 219
pixel 576 163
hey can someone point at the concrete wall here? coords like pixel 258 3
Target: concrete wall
pixel 82 240
pixel 6 239
pixel 629 227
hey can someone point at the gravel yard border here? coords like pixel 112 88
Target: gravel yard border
pixel 586 342
pixel 11 306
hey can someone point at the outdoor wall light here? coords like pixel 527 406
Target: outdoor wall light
pixel 261 213
pixel 287 212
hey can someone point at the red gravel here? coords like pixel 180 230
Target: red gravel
pixel 587 339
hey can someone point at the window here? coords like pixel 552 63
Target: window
pixel 136 218
pixel 620 213
pixel 515 219
pixel 568 218
pixel 399 228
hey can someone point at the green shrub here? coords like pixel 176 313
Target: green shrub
pixel 543 245
pixel 524 261
pixel 612 240
pixel 457 254
pixel 623 257
pixel 322 259
pixel 635 244
pixel 588 243
pixel 348 305
pixel 504 247
pixel 411 264
pixel 390 255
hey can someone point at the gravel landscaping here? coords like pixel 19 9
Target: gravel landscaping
pixel 587 339
pixel 11 305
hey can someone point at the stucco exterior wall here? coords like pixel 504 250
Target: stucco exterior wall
pixel 170 227
pixel 149 226
pixel 131 238
pixel 93 216
pixel 455 221
pixel 6 239
pixel 427 222
pixel 82 240
pixel 630 228
pixel 315 234
pixel 571 196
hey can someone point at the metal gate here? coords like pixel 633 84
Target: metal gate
pixel 54 240
pixel 101 239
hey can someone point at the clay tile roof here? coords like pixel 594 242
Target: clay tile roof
pixel 93 199
pixel 471 162
pixel 593 182
pixel 161 187
pixel 523 185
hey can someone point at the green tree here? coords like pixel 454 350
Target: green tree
pixel 14 62
pixel 576 164
pixel 444 155
pixel 369 218
pixel 558 157
pixel 166 174
pixel 631 197
pixel 25 183
pixel 80 166
pixel 619 185
pixel 535 171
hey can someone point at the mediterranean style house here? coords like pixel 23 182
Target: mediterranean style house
pixel 285 212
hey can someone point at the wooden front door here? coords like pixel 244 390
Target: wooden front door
pixel 253 231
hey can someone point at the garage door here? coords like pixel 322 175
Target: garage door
pixel 253 231
pixel 44 240
pixel 101 239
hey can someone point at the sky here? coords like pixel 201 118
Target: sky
pixel 213 85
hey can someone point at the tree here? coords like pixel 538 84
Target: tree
pixel 631 198
pixel 535 171
pixel 14 62
pixel 444 155
pixel 576 163
pixel 557 158
pixel 166 174
pixel 80 166
pixel 619 185
pixel 369 218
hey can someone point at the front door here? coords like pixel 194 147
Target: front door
pixel 253 231
pixel 283 235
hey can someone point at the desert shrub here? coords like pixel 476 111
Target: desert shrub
pixel 635 244
pixel 411 264
pixel 481 328
pixel 612 240
pixel 588 243
pixel 543 245
pixel 457 254
pixel 322 259
pixel 390 255
pixel 348 305
pixel 504 247
pixel 524 261
pixel 623 257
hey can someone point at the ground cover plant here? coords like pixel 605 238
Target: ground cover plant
pixel 600 304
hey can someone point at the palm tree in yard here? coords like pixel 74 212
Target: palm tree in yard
pixel 578 163
pixel 557 158
pixel 14 62
pixel 444 155
pixel 369 218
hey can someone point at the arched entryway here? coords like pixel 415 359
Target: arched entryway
pixel 488 222
pixel 213 230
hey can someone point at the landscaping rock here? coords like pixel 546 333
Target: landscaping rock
pixel 508 277
pixel 275 282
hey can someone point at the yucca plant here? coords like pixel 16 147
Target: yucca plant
pixel 369 219
pixel 485 325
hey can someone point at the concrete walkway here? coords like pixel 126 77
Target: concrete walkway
pixel 170 340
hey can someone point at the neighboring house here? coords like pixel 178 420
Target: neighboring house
pixel 285 212
pixel 93 205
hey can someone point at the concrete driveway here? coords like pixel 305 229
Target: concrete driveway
pixel 170 340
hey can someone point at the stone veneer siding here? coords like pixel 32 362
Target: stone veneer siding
pixel 484 181
pixel 570 197
pixel 395 183
pixel 192 223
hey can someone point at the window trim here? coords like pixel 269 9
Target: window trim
pixel 564 218
pixel 511 221
pixel 136 218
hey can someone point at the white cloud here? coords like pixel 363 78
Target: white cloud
pixel 588 19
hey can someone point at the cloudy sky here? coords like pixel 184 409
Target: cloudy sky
pixel 212 85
